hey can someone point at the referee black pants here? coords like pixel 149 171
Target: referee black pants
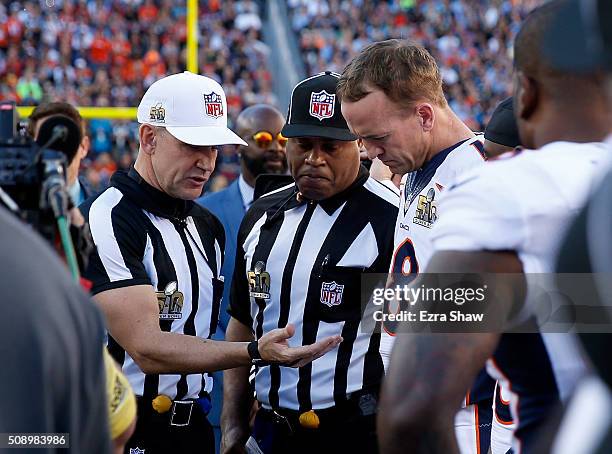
pixel 155 435
pixel 354 434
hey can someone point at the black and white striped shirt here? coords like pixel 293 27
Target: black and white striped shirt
pixel 301 263
pixel 145 237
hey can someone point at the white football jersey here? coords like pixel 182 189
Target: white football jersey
pixel 525 201
pixel 419 192
pixel 522 201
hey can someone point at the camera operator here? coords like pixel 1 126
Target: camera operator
pixel 43 180
pixel 77 185
pixel 121 401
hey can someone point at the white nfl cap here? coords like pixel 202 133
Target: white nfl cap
pixel 191 107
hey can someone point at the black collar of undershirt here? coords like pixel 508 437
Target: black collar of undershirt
pixel 331 204
pixel 135 188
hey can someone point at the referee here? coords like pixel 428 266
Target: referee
pixel 156 271
pixel 300 257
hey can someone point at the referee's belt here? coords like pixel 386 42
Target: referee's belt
pixel 177 411
pixel 358 404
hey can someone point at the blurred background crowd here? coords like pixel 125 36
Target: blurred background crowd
pixel 470 40
pixel 107 52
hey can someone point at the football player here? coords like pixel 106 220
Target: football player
pixel 506 217
pixel 392 99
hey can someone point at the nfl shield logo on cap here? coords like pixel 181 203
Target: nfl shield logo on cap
pixel 314 110
pixel 213 105
pixel 322 105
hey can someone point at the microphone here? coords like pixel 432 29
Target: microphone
pixel 60 133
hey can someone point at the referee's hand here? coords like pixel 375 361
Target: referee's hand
pixel 274 348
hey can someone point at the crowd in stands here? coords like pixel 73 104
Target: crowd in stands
pixel 470 39
pixel 107 53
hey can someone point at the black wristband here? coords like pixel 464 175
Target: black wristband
pixel 253 349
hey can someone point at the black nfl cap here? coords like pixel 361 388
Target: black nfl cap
pixel 502 127
pixel 579 38
pixel 314 110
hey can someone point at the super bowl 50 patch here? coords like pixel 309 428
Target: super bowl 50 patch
pixel 157 113
pixel 426 211
pixel 170 302
pixel 259 281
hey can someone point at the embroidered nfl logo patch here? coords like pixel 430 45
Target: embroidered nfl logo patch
pixel 213 105
pixel 331 293
pixel 322 105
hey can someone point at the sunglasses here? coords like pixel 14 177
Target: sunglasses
pixel 264 139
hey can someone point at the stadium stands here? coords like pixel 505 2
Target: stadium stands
pixel 470 39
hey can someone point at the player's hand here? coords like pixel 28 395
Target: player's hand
pixel 379 171
pixel 253 413
pixel 75 217
pixel 274 348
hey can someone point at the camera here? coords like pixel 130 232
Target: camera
pixel 32 176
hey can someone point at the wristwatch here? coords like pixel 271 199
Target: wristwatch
pixel 253 349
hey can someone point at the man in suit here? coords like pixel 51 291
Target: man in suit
pixel 260 127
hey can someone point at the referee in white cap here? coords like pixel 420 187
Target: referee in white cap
pixel 156 269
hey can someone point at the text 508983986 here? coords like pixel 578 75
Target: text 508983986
pixel 34 440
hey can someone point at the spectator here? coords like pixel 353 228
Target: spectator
pixel 29 90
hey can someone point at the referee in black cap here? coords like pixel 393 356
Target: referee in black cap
pixel 301 254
